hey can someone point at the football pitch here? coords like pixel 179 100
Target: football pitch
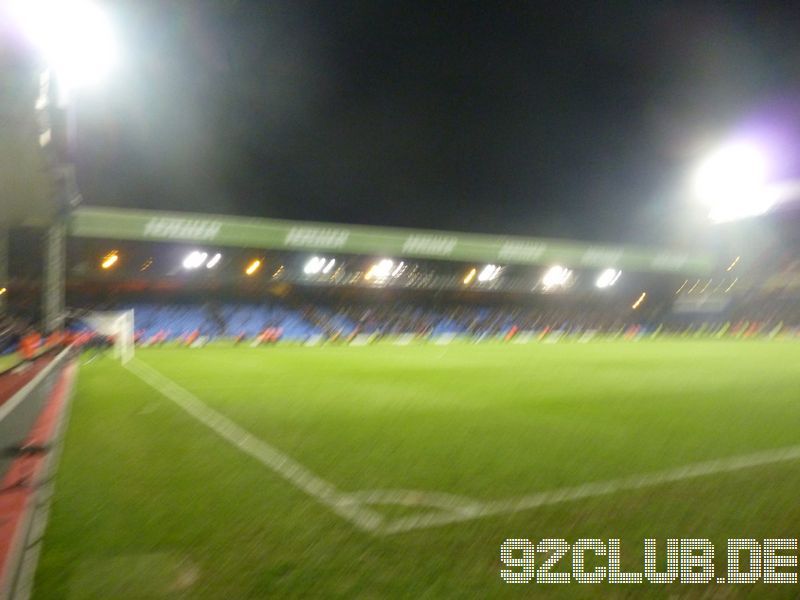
pixel 397 471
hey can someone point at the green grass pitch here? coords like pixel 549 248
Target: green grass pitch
pixel 7 361
pixel 151 503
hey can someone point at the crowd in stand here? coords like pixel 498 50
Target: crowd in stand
pixel 18 337
pixel 345 322
pixel 771 310
pixel 473 320
pixel 270 322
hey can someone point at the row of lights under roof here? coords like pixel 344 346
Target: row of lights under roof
pixel 191 262
pixel 385 269
pixel 723 285
pixel 555 277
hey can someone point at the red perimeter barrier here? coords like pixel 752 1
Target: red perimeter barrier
pixel 19 485
pixel 14 380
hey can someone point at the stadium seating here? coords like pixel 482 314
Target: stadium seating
pixel 155 321
pixel 247 320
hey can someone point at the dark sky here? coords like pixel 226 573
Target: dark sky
pixel 564 119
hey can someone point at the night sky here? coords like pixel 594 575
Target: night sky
pixel 566 119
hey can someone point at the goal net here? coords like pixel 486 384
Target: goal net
pixel 116 325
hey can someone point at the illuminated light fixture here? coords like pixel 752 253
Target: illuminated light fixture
pixel 380 270
pixel 680 289
pixel 607 278
pixel 3 290
pixel 470 276
pixel 254 266
pixel 314 265
pixel 732 183
pixel 109 260
pixel 734 263
pixel 730 287
pixel 398 270
pixel 194 260
pixel 75 37
pixel 639 301
pixel 214 261
pixel 556 276
pixel 705 287
pixel 146 264
pixel 489 273
pixel 327 268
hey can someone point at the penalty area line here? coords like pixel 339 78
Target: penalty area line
pixel 292 471
pixel 596 489
pixel 449 509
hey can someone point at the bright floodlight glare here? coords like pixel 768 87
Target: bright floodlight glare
pixel 194 260
pixel 607 278
pixel 327 268
pixel 75 37
pixel 214 261
pixel 109 260
pixel 732 183
pixel 489 273
pixel 380 270
pixel 254 266
pixel 384 268
pixel 639 301
pixel 398 270
pixel 314 265
pixel 556 276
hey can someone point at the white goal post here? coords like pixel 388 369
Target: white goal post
pixel 117 325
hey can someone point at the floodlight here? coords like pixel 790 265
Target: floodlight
pixel 194 260
pixel 639 301
pixel 314 265
pixel 732 183
pixel 75 37
pixel 607 278
pixel 214 261
pixel 3 290
pixel 470 276
pixel 489 273
pixel 556 276
pixel 383 268
pixel 327 268
pixel 380 270
pixel 109 260
pixel 254 266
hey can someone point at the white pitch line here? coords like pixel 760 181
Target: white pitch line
pixel 596 489
pixel 452 509
pixel 301 477
pixel 439 500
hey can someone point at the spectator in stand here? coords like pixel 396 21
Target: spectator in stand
pixel 29 345
pixel 192 337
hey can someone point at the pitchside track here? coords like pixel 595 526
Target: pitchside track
pixel 397 471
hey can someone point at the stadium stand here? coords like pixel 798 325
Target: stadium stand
pixel 157 322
